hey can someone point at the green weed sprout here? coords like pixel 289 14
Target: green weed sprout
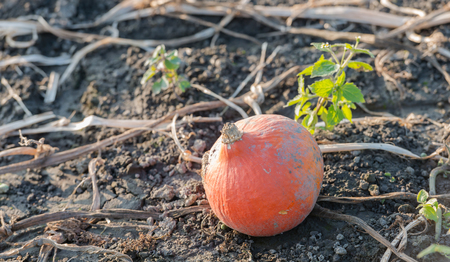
pixel 332 88
pixel 444 250
pixel 432 210
pixel 165 63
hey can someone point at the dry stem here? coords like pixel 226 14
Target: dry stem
pixel 40 241
pixel 401 235
pixel 16 97
pixel 65 125
pixel 110 214
pixel 326 213
pixel 226 101
pixel 185 154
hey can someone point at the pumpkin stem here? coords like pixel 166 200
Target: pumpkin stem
pixel 230 133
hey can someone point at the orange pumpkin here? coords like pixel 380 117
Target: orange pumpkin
pixel 262 177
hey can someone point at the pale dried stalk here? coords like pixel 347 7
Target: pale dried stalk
pixel 350 14
pixel 373 146
pixel 120 9
pixel 69 247
pixel 325 213
pixel 26 122
pixel 405 10
pixel 65 125
pixel 387 254
pixel 92 167
pixel 255 71
pixel 82 150
pixel 262 59
pixel 252 103
pixel 226 20
pixel 226 101
pixel 217 28
pixel 52 88
pixel 393 195
pixel 258 94
pixel 185 155
pixel 379 61
pixel 412 24
pixel 63 59
pixel 16 97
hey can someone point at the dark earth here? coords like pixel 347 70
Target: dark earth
pixel 144 173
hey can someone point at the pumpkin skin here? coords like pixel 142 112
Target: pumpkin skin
pixel 268 181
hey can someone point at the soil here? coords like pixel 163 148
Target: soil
pixel 145 174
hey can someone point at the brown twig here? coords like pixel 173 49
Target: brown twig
pixel 184 154
pixel 416 22
pixel 92 167
pixel 64 124
pixel 26 122
pixel 16 97
pixel 379 61
pixel 18 151
pixel 226 101
pixel 326 213
pixel 411 225
pixel 392 195
pixel 52 89
pixel 217 28
pixel 110 213
pixel 77 152
pixel 40 241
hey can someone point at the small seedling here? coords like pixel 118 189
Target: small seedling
pixel 444 250
pixel 432 210
pixel 165 63
pixel 332 88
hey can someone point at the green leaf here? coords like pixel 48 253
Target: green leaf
pixel 301 84
pixel 429 213
pixel 445 250
pixel 164 83
pixel 347 113
pixel 169 65
pixel 447 215
pixel 161 49
pixel 362 51
pixel 422 196
pixel 387 174
pixel 184 85
pixel 173 53
pixel 337 96
pixel 175 60
pixel 352 93
pixel 295 100
pixel 312 120
pixel 322 110
pixel 348 46
pixel 341 79
pixel 322 47
pixel 323 87
pixel 432 202
pixel 151 61
pixel 307 71
pixel 334 116
pixel 156 88
pixel 324 68
pixel 360 66
pixel 148 74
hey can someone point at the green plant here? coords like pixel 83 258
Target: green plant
pixel 165 63
pixel 444 250
pixel 332 88
pixel 432 210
